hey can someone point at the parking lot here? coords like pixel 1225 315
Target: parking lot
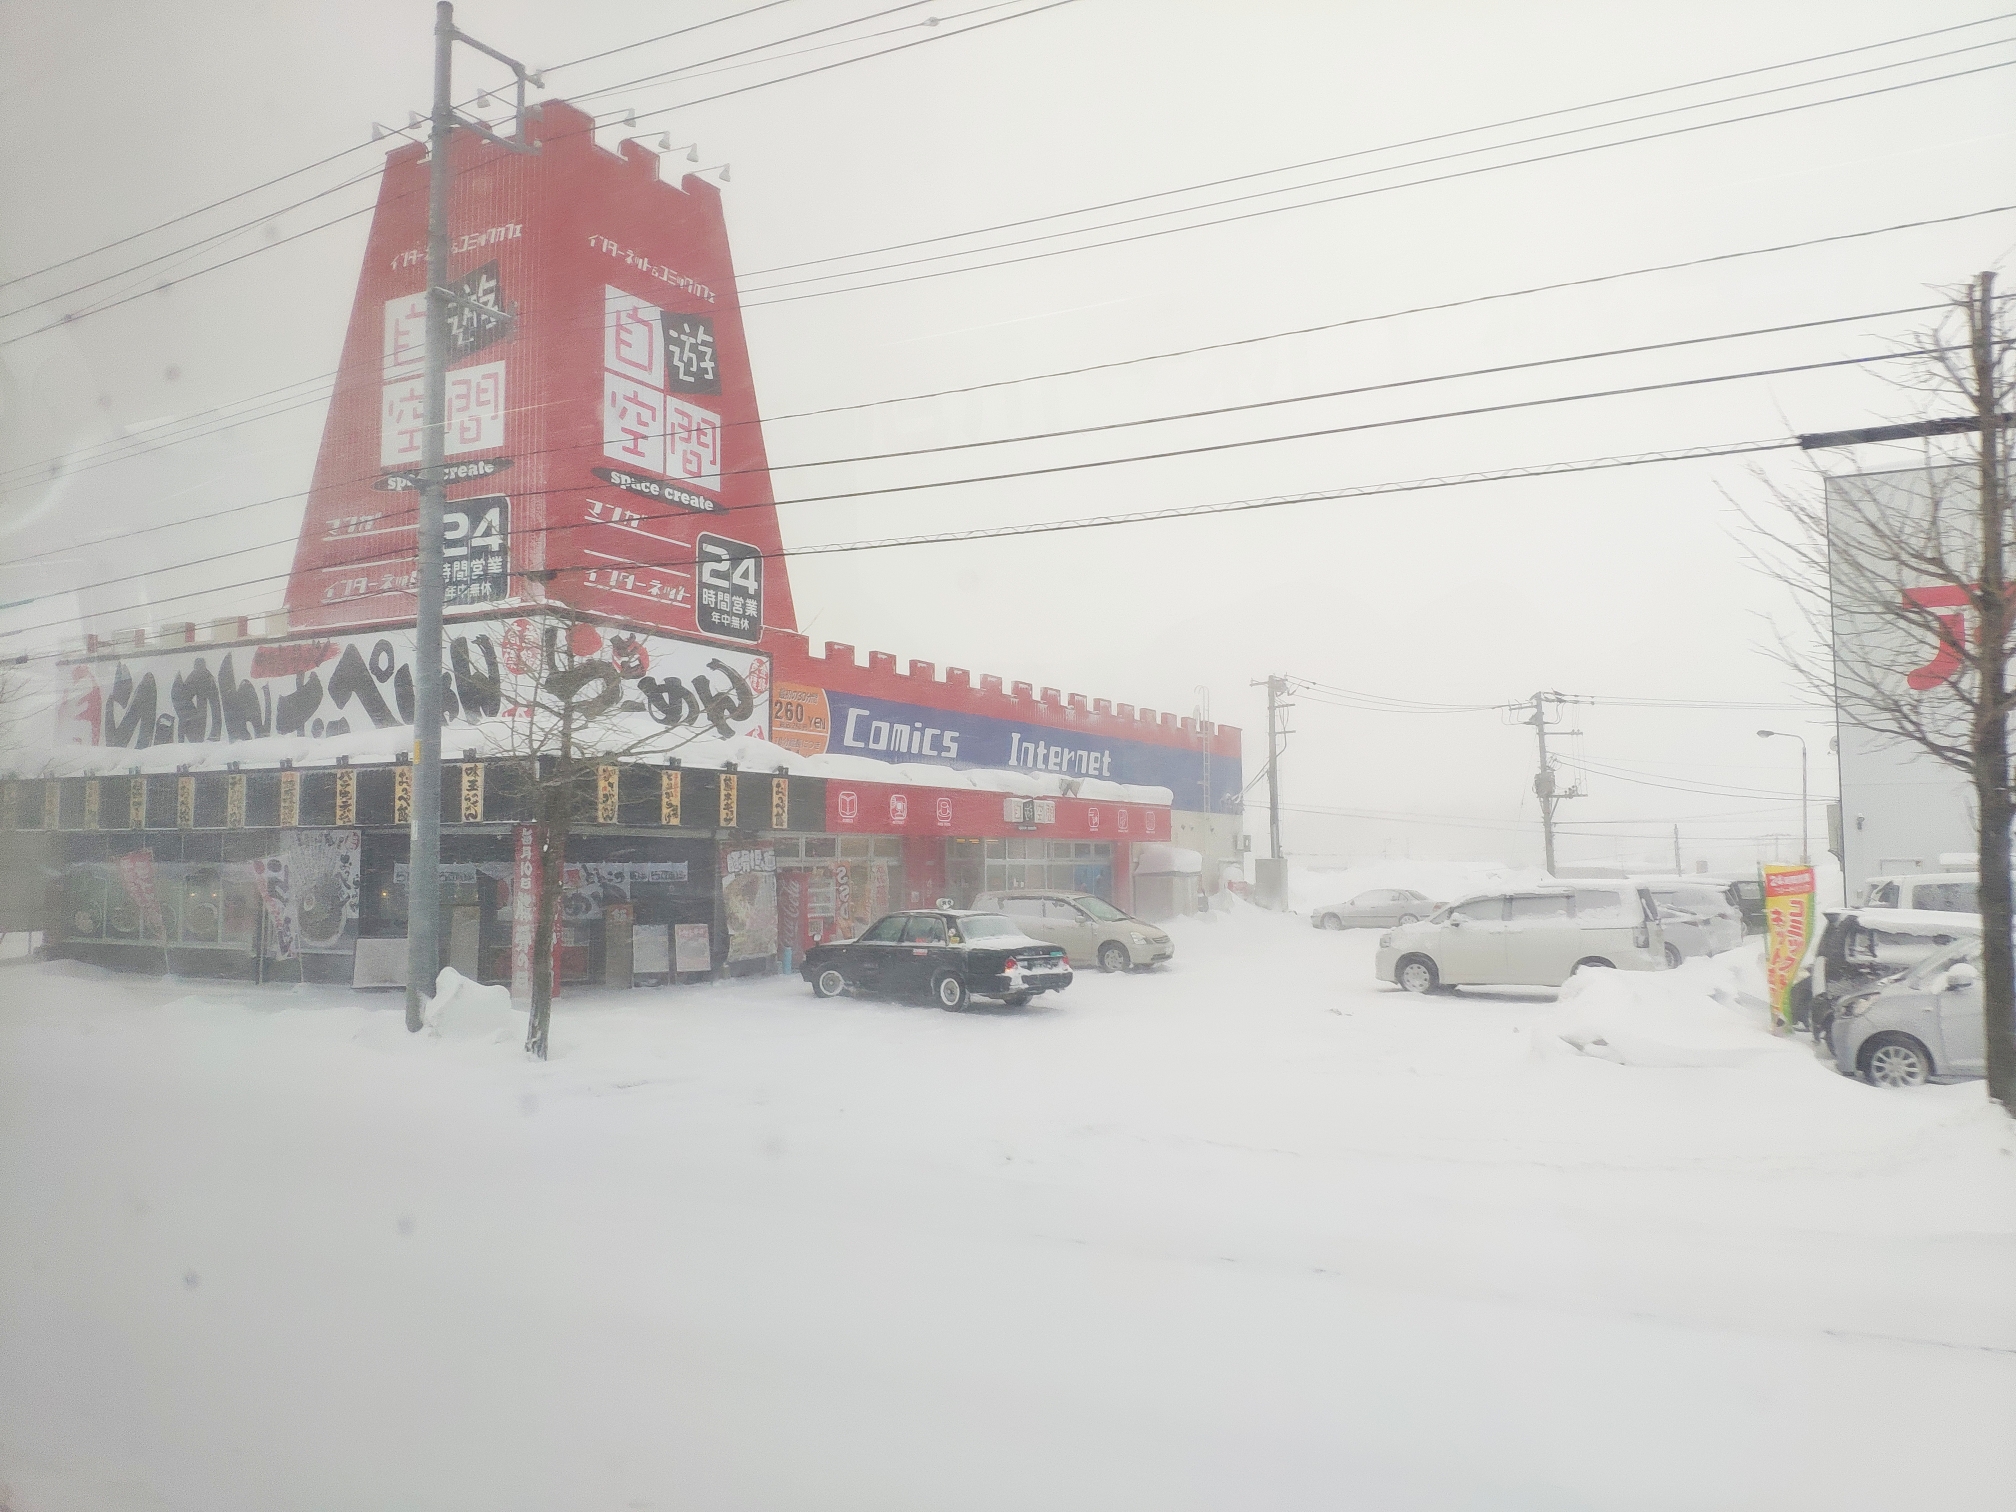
pixel 1249 1230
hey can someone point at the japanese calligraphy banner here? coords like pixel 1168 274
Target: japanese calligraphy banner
pixel 327 687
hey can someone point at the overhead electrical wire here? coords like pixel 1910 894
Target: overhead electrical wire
pixel 760 288
pixel 323 162
pixel 754 304
pixel 1401 383
pixel 1138 517
pixel 1400 146
pixel 758 304
pixel 197 427
pixel 936 36
pixel 1055 468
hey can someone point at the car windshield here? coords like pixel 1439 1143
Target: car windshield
pixel 1927 970
pixel 988 927
pixel 1100 909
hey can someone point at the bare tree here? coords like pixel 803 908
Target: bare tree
pixel 571 714
pixel 1885 573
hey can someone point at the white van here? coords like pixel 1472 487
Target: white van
pixel 1528 937
pixel 1932 892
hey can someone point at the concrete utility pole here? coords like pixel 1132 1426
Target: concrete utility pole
pixel 1544 786
pixel 1276 686
pixel 1271 875
pixel 423 870
pixel 1676 852
pixel 1991 709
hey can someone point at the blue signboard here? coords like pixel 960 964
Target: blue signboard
pixel 895 732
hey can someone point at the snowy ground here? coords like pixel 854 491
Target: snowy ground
pixel 1252 1232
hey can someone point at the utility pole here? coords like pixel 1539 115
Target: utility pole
pixel 1545 788
pixel 1276 686
pixel 1676 852
pixel 1991 712
pixel 423 871
pixel 1271 875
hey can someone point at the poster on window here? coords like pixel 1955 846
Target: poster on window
pixel 475 556
pixel 749 901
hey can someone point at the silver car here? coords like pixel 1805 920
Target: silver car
pixel 1091 930
pixel 1926 1026
pixel 1382 908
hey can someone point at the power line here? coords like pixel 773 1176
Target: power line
pixel 358 147
pixel 1496 475
pixel 35 472
pixel 1340 178
pixel 187 520
pixel 1055 468
pixel 684 105
pixel 1337 198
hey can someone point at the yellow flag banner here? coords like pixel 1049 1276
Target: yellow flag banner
pixel 1788 926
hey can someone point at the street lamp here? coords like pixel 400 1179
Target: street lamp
pixel 1805 847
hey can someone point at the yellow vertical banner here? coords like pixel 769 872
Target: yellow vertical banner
pixel 606 778
pixel 185 803
pixel 780 803
pixel 1788 929
pixel 346 795
pixel 136 803
pixel 92 802
pixel 234 802
pixel 290 798
pixel 472 792
pixel 668 798
pixel 728 797
pixel 52 803
pixel 402 794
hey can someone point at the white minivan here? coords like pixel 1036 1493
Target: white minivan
pixel 1527 937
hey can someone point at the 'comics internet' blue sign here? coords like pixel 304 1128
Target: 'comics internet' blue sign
pixel 895 732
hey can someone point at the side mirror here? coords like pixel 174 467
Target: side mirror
pixel 1961 975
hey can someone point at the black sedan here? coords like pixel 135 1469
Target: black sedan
pixel 946 953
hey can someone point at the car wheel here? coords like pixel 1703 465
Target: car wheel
pixel 1113 956
pixel 1592 961
pixel 1418 974
pixel 949 990
pixel 1409 919
pixel 1895 1060
pixel 1332 921
pixel 1018 999
pixel 829 983
pixel 1673 956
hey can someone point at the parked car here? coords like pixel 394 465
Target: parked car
pixel 1748 893
pixel 1700 919
pixel 1533 936
pixel 1382 908
pixel 950 954
pixel 1924 1027
pixel 1089 928
pixel 1928 892
pixel 1860 950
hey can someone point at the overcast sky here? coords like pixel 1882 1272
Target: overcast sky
pixel 1632 583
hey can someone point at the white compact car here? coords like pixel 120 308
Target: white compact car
pixel 1527 937
pixel 1699 920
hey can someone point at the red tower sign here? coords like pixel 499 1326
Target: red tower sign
pixel 604 446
